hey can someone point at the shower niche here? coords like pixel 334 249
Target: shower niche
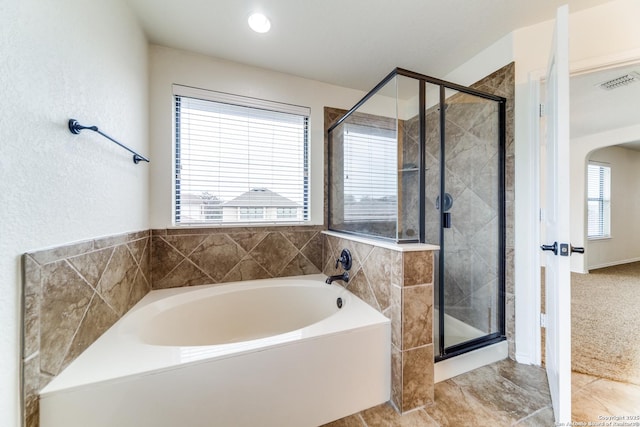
pixel 422 160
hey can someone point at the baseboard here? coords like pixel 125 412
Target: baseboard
pixel 612 263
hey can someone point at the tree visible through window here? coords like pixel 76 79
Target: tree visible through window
pixel 598 201
pixel 239 159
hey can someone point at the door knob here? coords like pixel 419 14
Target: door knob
pixel 553 248
pixel 577 249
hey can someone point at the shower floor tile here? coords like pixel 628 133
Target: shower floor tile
pixel 505 393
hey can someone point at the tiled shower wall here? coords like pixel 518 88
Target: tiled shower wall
pixel 400 286
pixel 71 295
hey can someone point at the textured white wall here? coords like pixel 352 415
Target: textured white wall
pixel 169 66
pixel 63 59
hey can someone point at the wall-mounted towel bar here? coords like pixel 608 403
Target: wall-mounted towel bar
pixel 76 127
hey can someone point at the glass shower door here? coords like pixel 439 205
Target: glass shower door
pixel 471 206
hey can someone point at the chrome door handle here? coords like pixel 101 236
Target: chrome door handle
pixel 553 248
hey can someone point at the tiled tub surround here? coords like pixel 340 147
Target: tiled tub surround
pixel 71 295
pixel 198 256
pixel 399 284
pixel 74 293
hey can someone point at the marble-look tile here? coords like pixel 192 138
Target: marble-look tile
pixel 145 262
pixel 246 269
pixel 383 268
pixel 362 251
pixel 217 255
pixel 313 250
pixel 510 315
pixel 164 258
pixel 472 213
pixel 31 300
pixel 185 244
pixel 532 379
pixel 61 252
pixel 31 271
pixel 455 407
pixel 138 248
pixel 394 312
pixel 31 387
pixel 359 286
pixel 417 268
pixel 299 238
pixel 499 394
pixel 298 266
pixel 109 241
pixel 185 274
pixel 417 377
pixel 98 319
pixel 541 418
pixel 65 299
pixel 417 316
pixel 273 253
pixel 116 281
pixel 31 324
pixel 385 416
pixel 92 264
pixel 350 421
pixel 248 240
pixel 396 376
pixel 139 289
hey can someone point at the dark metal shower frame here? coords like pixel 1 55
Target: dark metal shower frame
pixel 447 352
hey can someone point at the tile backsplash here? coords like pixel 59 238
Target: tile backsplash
pixel 187 257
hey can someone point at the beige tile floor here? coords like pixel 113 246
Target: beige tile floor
pixel 504 394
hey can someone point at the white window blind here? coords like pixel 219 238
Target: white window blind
pixel 238 159
pixel 370 174
pixel 598 201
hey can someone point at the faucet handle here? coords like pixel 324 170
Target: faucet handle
pixel 345 259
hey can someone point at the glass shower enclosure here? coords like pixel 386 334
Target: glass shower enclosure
pixel 421 160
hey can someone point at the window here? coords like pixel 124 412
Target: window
pixel 598 201
pixel 370 174
pixel 251 213
pixel 239 159
pixel 287 212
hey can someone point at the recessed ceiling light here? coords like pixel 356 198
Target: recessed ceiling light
pixel 259 23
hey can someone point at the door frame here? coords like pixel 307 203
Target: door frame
pixel 528 304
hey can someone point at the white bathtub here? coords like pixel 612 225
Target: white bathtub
pixel 276 352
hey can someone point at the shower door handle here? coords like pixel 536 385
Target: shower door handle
pixel 446 220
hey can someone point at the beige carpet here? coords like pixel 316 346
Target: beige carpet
pixel 605 322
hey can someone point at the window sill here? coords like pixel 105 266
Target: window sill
pixel 595 239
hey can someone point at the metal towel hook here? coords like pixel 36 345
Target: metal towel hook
pixel 75 128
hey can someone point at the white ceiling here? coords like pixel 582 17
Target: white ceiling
pixel 351 43
pixel 594 110
pixel 355 43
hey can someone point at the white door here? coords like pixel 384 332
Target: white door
pixel 556 223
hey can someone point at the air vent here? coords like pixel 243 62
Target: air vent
pixel 620 81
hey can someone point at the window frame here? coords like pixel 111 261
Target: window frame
pixel 603 201
pixel 303 218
